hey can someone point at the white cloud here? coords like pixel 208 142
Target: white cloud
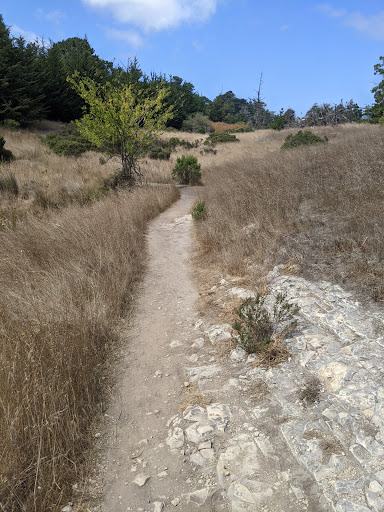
pixel 55 16
pixel 283 28
pixel 372 26
pixel 331 12
pixel 129 36
pixel 157 14
pixel 29 36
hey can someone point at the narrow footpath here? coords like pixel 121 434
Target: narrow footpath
pixel 151 385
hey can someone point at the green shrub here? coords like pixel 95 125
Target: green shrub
pixel 159 153
pixel 8 184
pixel 162 149
pixel 67 145
pixel 10 124
pixel 199 212
pixel 187 170
pixel 256 328
pixel 5 154
pixel 197 123
pixel 302 138
pixel 220 137
pixel 159 150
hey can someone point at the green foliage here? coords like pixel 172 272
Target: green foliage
pixel 21 79
pixel 5 154
pixel 227 108
pixel 121 121
pixel 67 142
pixel 11 124
pixel 256 327
pixel 220 137
pixel 8 184
pixel 197 123
pixel 63 59
pixel 279 121
pixel 187 170
pixel 302 138
pixel 327 114
pixel 160 150
pixel 377 110
pixel 199 212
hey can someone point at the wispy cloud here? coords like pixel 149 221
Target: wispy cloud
pixel 370 25
pixel 283 28
pixel 128 36
pixel 29 36
pixel 157 14
pixel 55 16
pixel 331 12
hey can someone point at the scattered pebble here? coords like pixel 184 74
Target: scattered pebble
pixel 141 479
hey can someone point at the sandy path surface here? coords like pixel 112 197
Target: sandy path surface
pixel 152 380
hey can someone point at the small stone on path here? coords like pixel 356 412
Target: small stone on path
pixel 141 479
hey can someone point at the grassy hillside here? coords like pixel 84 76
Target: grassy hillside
pixel 319 209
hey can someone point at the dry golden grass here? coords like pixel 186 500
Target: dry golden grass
pixel 193 396
pixel 321 207
pixel 46 180
pixel 222 127
pixel 65 281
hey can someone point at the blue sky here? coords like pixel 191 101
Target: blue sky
pixel 308 51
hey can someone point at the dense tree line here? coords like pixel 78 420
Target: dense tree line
pixel 33 80
pixel 33 86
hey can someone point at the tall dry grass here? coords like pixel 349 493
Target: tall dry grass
pixel 46 181
pixel 320 206
pixel 65 281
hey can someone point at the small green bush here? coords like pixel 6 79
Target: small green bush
pixel 8 184
pixel 302 138
pixel 187 170
pixel 159 153
pixel 256 328
pixel 10 124
pixel 197 123
pixel 5 154
pixel 67 145
pixel 199 212
pixel 160 150
pixel 220 137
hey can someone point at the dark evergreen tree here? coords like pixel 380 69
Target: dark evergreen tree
pixel 21 79
pixel 63 59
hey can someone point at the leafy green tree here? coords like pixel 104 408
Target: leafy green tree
pixel 120 121
pixel 228 108
pixel 279 121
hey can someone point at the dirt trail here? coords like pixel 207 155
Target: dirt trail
pixel 151 385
